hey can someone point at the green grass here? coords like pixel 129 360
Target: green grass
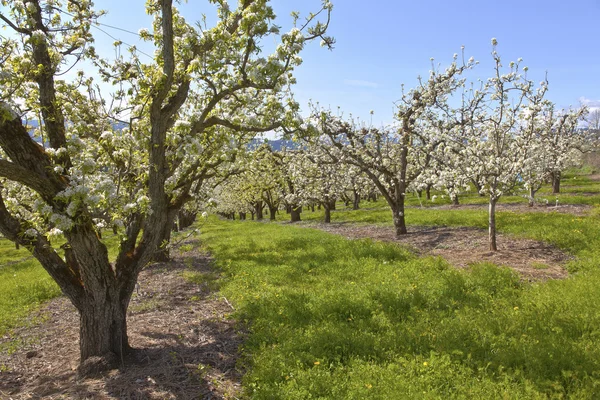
pixel 23 287
pixel 333 318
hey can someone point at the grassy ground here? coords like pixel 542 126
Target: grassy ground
pixel 23 285
pixel 340 319
pixel 333 318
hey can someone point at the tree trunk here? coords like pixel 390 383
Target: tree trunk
pixel 356 201
pixel 332 204
pixel 295 213
pixel 398 217
pixel 492 224
pixel 103 340
pixel 556 182
pixel 258 209
pixel 531 197
pixel 272 213
pixel 455 200
pixel 186 218
pixel 163 252
pixel 428 192
pixel 242 216
pixel 327 213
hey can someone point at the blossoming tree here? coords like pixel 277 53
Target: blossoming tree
pixel 213 82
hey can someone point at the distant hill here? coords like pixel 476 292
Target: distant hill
pixel 276 145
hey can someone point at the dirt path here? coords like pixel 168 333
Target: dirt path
pixel 187 348
pixel 533 260
pixel 575 209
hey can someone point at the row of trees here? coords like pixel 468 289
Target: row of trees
pixel 450 134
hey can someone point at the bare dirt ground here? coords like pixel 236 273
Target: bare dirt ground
pixel 187 348
pixel 575 209
pixel 533 260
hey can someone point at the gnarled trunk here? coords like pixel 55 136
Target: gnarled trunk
pixel 102 331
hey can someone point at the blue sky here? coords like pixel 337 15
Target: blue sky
pixel 382 44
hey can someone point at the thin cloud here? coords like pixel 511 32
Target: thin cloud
pixel 360 83
pixel 589 102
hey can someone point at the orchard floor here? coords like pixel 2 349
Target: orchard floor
pixel 187 345
pixel 187 348
pixel 460 246
pixel 575 209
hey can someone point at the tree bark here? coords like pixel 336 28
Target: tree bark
pixel 356 201
pixel 295 213
pixel 492 224
pixel 103 331
pixel 531 197
pixel 258 210
pixel 327 208
pixel 332 204
pixel 556 182
pixel 272 213
pixel 163 253
pixel 455 200
pixel 398 218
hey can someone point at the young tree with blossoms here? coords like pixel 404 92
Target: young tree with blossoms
pixel 393 158
pixel 487 137
pixel 201 87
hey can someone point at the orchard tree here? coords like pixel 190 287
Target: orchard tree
pixel 393 158
pixel 201 85
pixel 266 179
pixel 556 142
pixel 484 140
pixel 316 179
